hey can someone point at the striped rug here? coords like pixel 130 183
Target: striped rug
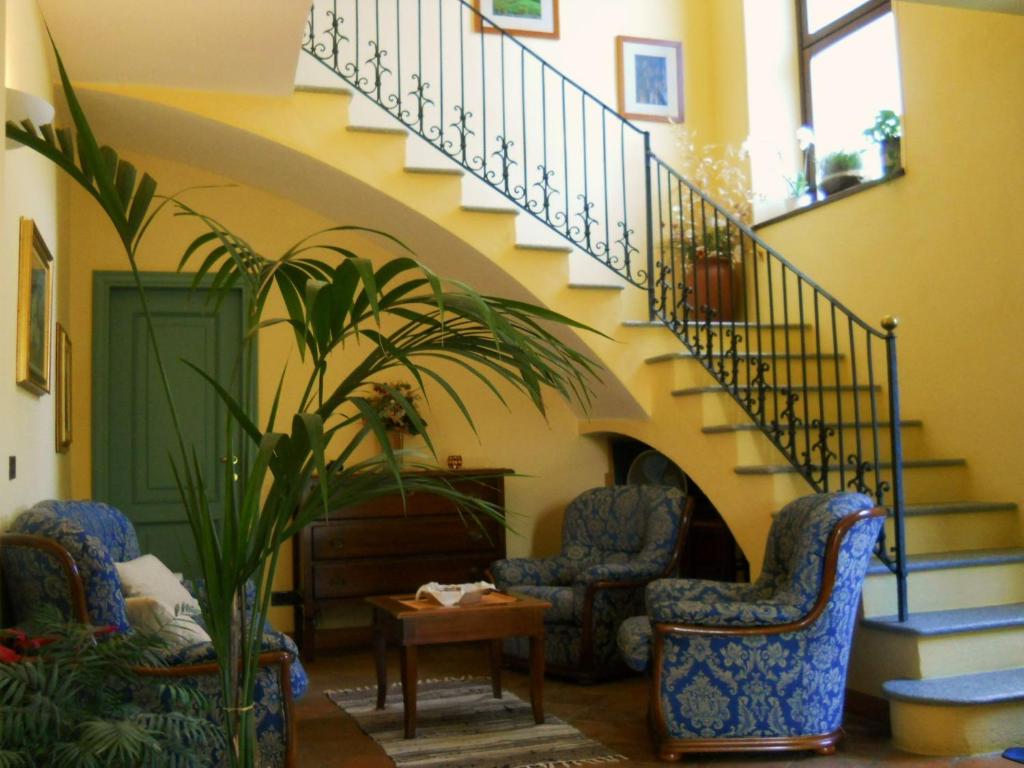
pixel 461 725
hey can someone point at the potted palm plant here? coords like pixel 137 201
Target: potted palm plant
pixel 840 170
pixel 280 478
pixel 886 133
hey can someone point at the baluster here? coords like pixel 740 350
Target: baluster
pixel 808 463
pixel 839 397
pixel 889 324
pixel 856 459
pixel 881 486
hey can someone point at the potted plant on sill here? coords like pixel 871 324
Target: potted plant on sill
pixel 886 134
pixel 840 170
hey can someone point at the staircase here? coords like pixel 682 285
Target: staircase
pixel 791 392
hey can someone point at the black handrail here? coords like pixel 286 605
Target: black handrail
pixel 541 140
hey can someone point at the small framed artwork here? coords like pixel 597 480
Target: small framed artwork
pixel 35 298
pixel 523 18
pixel 650 79
pixel 63 404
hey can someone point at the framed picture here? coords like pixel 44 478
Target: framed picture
pixel 523 18
pixel 35 298
pixel 650 79
pixel 63 400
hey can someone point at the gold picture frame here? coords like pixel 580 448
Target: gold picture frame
pixel 522 18
pixel 63 400
pixel 35 307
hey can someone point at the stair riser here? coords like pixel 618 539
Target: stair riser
pixel 921 484
pixel 755 448
pixel 721 408
pixel 956 730
pixel 690 372
pixel 969 530
pixel 760 342
pixel 945 589
pixel 879 656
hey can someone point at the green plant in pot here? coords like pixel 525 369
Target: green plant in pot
pixel 712 279
pixel 886 132
pixel 840 170
pixel 353 323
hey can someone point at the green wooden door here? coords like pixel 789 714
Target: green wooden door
pixel 133 436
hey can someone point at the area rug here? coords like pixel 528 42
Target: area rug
pixel 460 724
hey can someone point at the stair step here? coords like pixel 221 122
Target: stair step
pixel 396 131
pixel 741 355
pixel 956 621
pixel 505 211
pixel 959 507
pixel 969 558
pixel 750 427
pixel 718 388
pixel 344 88
pixel 431 170
pixel 598 286
pixel 999 687
pixel 784 469
pixel 718 324
pixel 544 247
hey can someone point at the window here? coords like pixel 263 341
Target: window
pixel 849 72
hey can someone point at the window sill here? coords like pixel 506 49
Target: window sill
pixel 830 199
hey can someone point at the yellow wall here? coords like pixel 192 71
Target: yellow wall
pixel 942 247
pixel 559 463
pixel 30 189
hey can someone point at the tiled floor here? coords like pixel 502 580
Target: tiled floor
pixel 612 713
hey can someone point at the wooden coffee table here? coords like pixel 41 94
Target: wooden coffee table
pixel 434 625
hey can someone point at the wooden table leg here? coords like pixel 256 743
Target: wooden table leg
pixel 380 654
pixel 537 677
pixel 409 677
pixel 495 651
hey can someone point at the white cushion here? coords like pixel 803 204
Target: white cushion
pixel 147 614
pixel 146 576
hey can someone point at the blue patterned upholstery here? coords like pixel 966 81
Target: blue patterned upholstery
pixel 620 534
pixel 771 685
pixel 97 535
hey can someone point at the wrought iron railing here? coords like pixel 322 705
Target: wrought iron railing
pixel 815 378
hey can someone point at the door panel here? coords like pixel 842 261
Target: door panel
pixel 134 432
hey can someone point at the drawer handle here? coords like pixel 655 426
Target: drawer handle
pixel 337 581
pixel 476 535
pixel 336 544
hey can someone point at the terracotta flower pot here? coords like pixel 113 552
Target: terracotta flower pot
pixel 714 285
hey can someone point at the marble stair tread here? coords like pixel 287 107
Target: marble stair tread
pixel 950 622
pixel 598 286
pixel 785 469
pixel 718 388
pixel 723 428
pixel 998 687
pixel 739 355
pixel 965 558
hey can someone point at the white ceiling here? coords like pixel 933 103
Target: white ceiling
pixel 999 6
pixel 242 46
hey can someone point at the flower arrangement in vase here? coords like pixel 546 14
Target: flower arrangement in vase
pixel 395 403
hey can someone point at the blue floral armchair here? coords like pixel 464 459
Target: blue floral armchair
pixel 62 553
pixel 738 667
pixel 614 541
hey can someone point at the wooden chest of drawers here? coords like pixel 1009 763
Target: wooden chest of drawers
pixel 384 548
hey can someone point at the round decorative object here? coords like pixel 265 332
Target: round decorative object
pixel 655 468
pixel 455 461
